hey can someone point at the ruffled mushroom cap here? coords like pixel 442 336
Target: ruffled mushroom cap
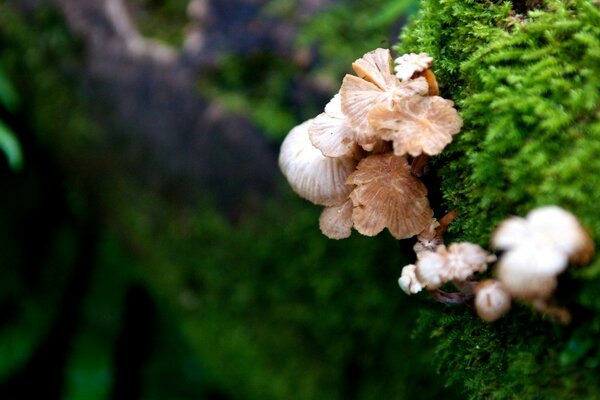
pixel 311 175
pixel 388 196
pixel 549 228
pixel 492 300
pixel 336 222
pixel 456 263
pixel 374 84
pixel 331 132
pixel 428 240
pixel 408 280
pixel 411 64
pixel 416 124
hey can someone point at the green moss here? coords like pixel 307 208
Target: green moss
pixel 528 89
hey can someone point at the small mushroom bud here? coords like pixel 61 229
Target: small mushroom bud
pixel 409 282
pixel 336 222
pixel 492 300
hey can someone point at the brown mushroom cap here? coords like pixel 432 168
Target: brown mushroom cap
pixel 313 176
pixel 331 132
pixel 336 222
pixel 388 196
pixel 416 124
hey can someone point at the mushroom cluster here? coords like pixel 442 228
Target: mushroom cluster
pixel 358 157
pixel 536 248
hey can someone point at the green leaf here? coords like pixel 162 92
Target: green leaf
pixel 11 147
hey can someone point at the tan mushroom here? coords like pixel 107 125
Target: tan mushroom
pixel 359 95
pixel 388 196
pixel 311 175
pixel 336 222
pixel 331 132
pixel 416 124
pixel 492 300
pixel 408 65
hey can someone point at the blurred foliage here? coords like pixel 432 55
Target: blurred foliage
pixel 528 86
pixel 8 142
pixel 113 290
pixel 164 20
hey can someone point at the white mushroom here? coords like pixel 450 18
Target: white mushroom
pixel 456 263
pixel 408 281
pixel 492 300
pixel 319 179
pixel 408 65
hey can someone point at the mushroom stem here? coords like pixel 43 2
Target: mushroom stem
pixel 419 165
pixel 466 287
pixel 450 298
pixel 560 314
pixel 444 222
pixel 432 82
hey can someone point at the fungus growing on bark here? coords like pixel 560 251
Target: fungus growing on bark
pixel 319 179
pixel 416 124
pixel 408 281
pixel 456 263
pixel 492 300
pixel 331 132
pixel 388 196
pixel 537 249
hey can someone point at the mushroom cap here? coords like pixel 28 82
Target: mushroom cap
pixel 408 281
pixel 387 195
pixel 416 124
pixel 359 96
pixel 336 222
pixel 545 227
pixel 492 300
pixel 456 263
pixel 311 175
pixel 410 64
pixel 525 277
pixel 376 67
pixel 331 132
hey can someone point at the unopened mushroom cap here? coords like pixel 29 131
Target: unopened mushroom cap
pixel 336 222
pixel 408 65
pixel 492 300
pixel 311 175
pixel 416 124
pixel 530 274
pixel 408 281
pixel 388 196
pixel 331 132
pixel 376 67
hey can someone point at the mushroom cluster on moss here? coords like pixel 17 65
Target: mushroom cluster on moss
pixel 355 158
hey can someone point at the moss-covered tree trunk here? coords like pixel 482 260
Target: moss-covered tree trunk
pixel 526 77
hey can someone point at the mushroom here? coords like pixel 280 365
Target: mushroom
pixel 408 65
pixel 408 281
pixel 537 249
pixel 336 222
pixel 331 132
pixel 416 124
pixel 456 263
pixel 379 85
pixel 388 196
pixel 311 175
pixel 492 300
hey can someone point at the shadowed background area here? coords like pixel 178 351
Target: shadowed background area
pixel 150 247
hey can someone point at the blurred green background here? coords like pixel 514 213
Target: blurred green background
pixel 150 248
